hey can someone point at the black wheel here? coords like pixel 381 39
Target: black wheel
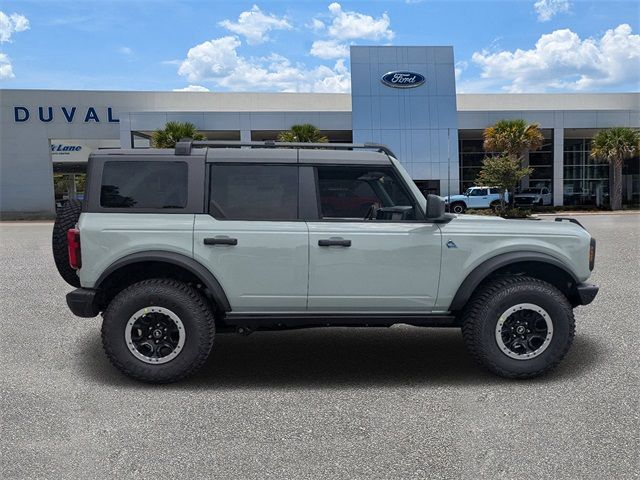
pixel 518 327
pixel 458 207
pixel 495 205
pixel 158 330
pixel 66 217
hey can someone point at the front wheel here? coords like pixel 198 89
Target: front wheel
pixel 458 207
pixel 158 330
pixel 518 327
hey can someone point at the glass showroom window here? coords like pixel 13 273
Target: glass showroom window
pixel 586 181
pixel 542 163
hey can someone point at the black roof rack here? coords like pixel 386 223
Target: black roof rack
pixel 184 146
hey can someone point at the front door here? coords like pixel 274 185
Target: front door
pixel 390 264
pixel 251 239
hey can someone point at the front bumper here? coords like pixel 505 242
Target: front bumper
pixel 586 293
pixel 82 302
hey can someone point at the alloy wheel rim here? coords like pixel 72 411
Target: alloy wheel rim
pixel 155 335
pixel 524 331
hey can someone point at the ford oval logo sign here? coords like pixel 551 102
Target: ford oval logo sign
pixel 402 79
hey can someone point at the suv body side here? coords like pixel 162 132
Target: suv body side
pixel 279 265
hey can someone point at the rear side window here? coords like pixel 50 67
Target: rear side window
pixel 144 184
pixel 254 192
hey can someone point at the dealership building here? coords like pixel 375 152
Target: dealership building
pixel 435 132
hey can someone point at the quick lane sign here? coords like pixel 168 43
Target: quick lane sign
pixel 69 114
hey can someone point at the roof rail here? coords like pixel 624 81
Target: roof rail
pixel 184 146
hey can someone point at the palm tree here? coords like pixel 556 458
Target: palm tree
pixel 173 132
pixel 615 145
pixel 302 133
pixel 513 138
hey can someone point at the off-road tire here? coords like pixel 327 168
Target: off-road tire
pixel 458 206
pixel 492 300
pixel 66 217
pixel 186 302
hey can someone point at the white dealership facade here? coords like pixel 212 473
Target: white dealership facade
pixel 434 131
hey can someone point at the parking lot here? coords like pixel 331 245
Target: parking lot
pixel 404 402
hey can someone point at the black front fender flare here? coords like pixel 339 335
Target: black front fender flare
pixel 490 266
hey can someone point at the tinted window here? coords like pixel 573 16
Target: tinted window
pixel 478 192
pixel 254 192
pixel 143 184
pixel 349 192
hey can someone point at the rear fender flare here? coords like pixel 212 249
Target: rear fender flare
pixel 180 260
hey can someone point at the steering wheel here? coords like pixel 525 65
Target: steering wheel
pixel 372 210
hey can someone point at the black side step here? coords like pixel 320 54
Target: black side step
pixel 269 321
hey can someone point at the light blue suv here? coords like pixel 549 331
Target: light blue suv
pixel 475 198
pixel 175 246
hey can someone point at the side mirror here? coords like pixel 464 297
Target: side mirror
pixel 435 207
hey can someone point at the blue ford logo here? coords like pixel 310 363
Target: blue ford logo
pixel 402 79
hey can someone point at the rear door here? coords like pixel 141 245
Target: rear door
pixel 374 265
pixel 251 238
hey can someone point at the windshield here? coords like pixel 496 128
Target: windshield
pixel 530 190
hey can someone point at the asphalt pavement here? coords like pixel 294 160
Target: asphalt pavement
pixel 398 403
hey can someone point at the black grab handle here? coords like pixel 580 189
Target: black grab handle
pixel 221 241
pixel 337 242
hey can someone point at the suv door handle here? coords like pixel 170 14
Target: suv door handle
pixel 337 242
pixel 221 241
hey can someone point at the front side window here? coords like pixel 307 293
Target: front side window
pixel 363 192
pixel 254 192
pixel 144 184
pixel 478 192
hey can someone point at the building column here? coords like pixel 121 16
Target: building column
pixel 525 163
pixel 558 167
pixel 245 135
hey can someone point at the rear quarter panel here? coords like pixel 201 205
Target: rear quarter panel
pixel 107 237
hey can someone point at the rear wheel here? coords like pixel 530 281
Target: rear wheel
pixel 158 330
pixel 518 327
pixel 66 217
pixel 458 207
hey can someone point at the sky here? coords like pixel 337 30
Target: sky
pixel 303 46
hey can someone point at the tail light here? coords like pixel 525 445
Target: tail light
pixel 73 244
pixel 592 253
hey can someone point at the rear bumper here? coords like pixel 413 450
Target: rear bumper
pixel 586 293
pixel 82 302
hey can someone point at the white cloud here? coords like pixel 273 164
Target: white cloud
pixel 547 9
pixel 327 49
pixel 192 88
pixel 346 25
pixel 218 61
pixel 561 60
pixel 460 67
pixel 254 25
pixel 6 70
pixel 316 25
pixel 10 24
pixel 126 51
pixel 352 25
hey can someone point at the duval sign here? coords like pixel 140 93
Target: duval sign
pixel 69 114
pixel 402 79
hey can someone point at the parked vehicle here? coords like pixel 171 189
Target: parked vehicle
pixel 533 196
pixel 175 246
pixel 476 198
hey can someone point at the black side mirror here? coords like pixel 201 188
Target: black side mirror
pixel 435 207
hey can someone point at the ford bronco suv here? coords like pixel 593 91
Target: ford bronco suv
pixel 171 246
pixel 476 198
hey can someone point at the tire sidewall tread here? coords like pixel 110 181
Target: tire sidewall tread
pixel 481 315
pixel 186 302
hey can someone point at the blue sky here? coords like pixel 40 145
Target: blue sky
pixel 500 46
